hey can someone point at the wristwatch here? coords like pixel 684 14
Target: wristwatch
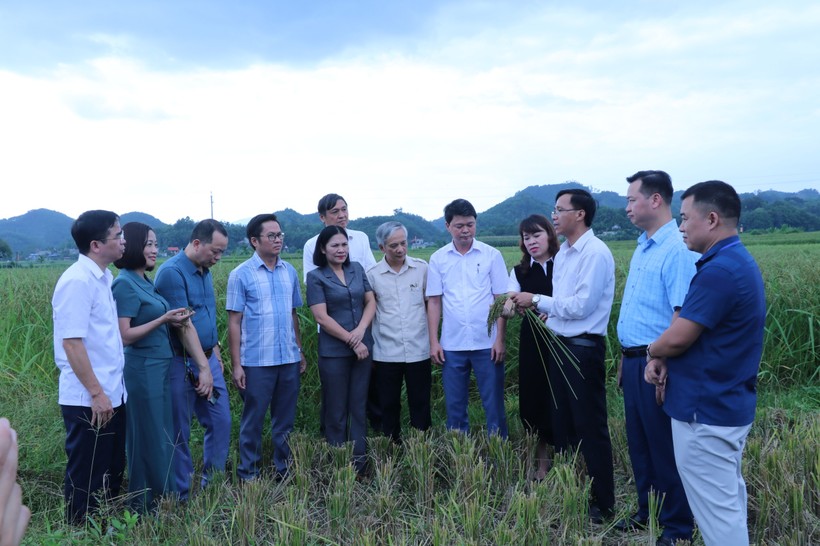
pixel 535 299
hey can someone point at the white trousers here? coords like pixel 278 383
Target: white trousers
pixel 708 459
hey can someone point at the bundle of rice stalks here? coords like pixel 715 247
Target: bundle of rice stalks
pixel 503 306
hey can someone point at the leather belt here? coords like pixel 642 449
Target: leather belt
pixel 583 340
pixel 208 353
pixel 634 352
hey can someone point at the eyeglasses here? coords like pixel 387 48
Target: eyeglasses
pixel 271 237
pixel 117 236
pixel 556 211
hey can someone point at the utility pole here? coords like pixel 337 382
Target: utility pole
pixel 212 205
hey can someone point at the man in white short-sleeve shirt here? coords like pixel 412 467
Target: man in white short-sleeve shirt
pixel 88 352
pixel 401 347
pixel 333 212
pixel 463 279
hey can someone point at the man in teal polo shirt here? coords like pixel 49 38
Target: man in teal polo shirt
pixel 706 362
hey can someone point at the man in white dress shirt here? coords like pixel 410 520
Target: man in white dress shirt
pixel 88 352
pixel 333 212
pixel 583 287
pixel 463 279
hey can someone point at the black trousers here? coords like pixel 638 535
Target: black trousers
pixel 96 460
pixel 388 378
pixel 581 420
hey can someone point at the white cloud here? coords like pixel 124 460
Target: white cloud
pixel 541 98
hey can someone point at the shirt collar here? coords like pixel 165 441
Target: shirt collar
pixel 257 262
pixel 661 235
pixel 533 263
pixel 717 247
pixel 190 267
pixel 92 266
pixel 384 267
pixel 582 241
pixel 473 247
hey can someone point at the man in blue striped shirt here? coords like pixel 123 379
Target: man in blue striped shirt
pixel 659 276
pixel 266 349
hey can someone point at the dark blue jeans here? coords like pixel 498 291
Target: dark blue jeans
pixel 215 418
pixel 489 378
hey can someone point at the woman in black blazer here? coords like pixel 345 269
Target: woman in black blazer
pixel 343 304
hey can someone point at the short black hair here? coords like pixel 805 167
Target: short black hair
pixel 328 202
pixel 204 231
pixel 136 234
pixel 254 227
pixel 717 196
pixel 459 207
pixel 654 182
pixel 92 225
pixel 581 199
pixel 319 257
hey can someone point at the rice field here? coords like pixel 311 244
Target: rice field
pixel 438 487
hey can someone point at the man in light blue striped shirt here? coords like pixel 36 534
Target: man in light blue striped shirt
pixel 263 333
pixel 658 280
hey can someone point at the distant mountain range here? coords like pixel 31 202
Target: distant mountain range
pixel 47 230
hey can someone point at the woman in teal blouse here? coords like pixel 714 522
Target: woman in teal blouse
pixel 144 317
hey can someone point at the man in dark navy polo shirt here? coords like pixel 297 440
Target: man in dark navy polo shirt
pixel 707 363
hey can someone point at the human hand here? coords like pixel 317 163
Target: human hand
pixel 660 394
pixel 178 317
pixel 14 516
pixel 619 375
pixel 354 337
pixel 655 372
pixel 522 299
pixel 361 351
pixel 239 377
pixel 302 363
pixel 510 309
pixel 101 409
pixel 498 352
pixel 205 383
pixel 436 353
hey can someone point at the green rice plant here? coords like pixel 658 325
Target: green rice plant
pixel 524 518
pixel 419 468
pixel 339 497
pixel 655 502
pixel 291 523
pixel 781 459
pixel 505 460
pixel 571 488
pixel 386 497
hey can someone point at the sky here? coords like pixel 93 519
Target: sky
pixel 165 107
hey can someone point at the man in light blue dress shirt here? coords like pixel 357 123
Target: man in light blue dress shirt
pixel 659 276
